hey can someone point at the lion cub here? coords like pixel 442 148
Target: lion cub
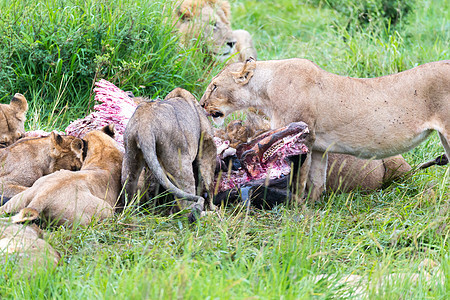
pixel 12 119
pixel 25 161
pixel 172 138
pixel 76 197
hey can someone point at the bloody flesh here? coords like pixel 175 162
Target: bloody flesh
pixel 266 156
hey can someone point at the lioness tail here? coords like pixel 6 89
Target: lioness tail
pixel 157 170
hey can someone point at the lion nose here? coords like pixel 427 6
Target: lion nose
pixel 231 44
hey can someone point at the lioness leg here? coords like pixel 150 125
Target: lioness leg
pixel 301 168
pixel 184 178
pixel 207 162
pixel 395 167
pixel 79 210
pixel 317 174
pixel 133 163
pixel 18 202
pixel 82 211
pixel 299 177
pixel 445 140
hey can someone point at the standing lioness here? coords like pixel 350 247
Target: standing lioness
pixel 370 117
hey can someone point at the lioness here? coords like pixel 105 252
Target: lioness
pixel 173 139
pixel 12 118
pixel 25 246
pixel 211 19
pixel 368 118
pixel 25 161
pixel 76 197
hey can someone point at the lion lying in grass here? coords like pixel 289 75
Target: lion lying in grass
pixel 24 245
pixel 12 119
pixel 211 20
pixel 368 118
pixel 25 161
pixel 173 140
pixel 352 286
pixel 68 197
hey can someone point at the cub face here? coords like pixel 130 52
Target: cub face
pixel 12 119
pixel 229 91
pixel 67 152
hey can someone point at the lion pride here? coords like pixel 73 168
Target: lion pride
pixel 76 197
pixel 27 160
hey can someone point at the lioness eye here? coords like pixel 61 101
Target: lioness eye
pixel 214 88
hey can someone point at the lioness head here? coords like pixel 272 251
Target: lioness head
pixel 227 92
pixel 67 152
pixel 209 19
pixel 12 119
pixel 101 146
pixel 100 139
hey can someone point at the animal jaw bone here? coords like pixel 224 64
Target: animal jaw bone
pixel 265 157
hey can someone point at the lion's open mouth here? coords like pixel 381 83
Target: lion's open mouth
pixel 266 156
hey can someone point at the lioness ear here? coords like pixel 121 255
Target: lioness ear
pixel 56 139
pixel 19 103
pixel 246 73
pixel 77 146
pixel 182 93
pixel 184 11
pixel 176 92
pixel 109 130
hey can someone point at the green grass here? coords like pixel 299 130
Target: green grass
pixel 238 253
pixel 53 52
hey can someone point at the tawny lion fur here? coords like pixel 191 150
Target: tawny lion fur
pixel 12 119
pixel 172 138
pixel 68 197
pixel 25 245
pixel 365 117
pixel 211 18
pixel 25 161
